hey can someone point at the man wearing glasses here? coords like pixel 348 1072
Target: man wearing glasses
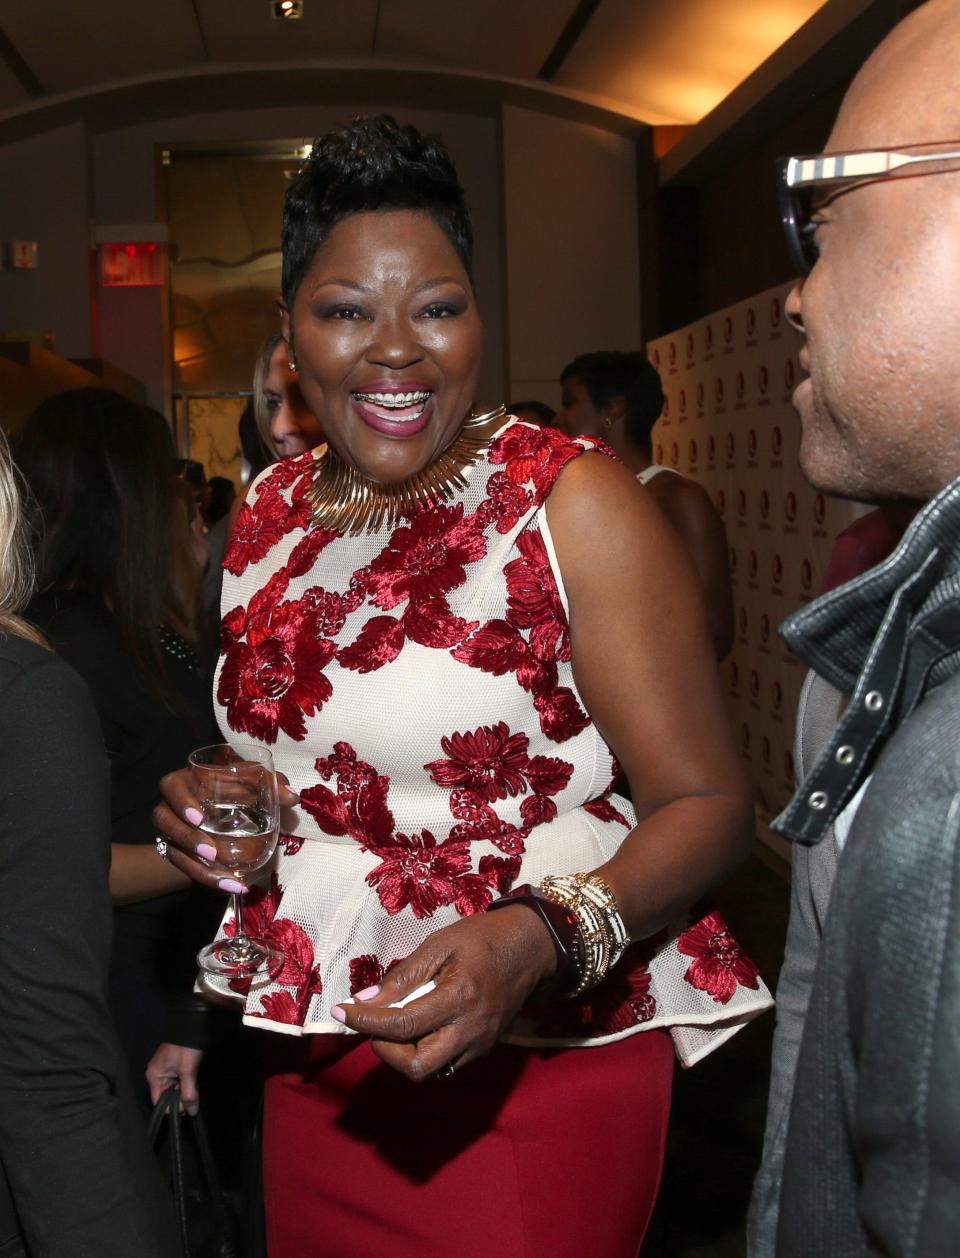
pixel 866 1159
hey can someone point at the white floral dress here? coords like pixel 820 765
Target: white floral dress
pixel 415 686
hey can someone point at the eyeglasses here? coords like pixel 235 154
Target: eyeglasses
pixel 806 184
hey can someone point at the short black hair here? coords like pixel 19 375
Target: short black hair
pixel 371 164
pixel 611 373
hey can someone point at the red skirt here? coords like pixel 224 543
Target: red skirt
pixel 541 1154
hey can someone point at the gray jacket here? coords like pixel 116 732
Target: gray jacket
pixel 869 1165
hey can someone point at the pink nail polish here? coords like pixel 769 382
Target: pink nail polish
pixel 337 1014
pixel 232 887
pixel 193 815
pixel 207 851
pixel 368 993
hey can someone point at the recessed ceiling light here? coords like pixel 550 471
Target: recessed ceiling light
pixel 291 9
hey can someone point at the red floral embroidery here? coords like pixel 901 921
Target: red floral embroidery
pixel 421 563
pixel 426 558
pixel 490 761
pixel 499 646
pixel 297 969
pixel 366 971
pixel 505 504
pixel 605 811
pixel 720 965
pixel 359 806
pixel 265 519
pixel 534 454
pixel 476 820
pixel 622 1000
pixel 534 601
pixel 275 678
pixel 419 872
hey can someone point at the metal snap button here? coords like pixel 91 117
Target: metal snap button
pixel 818 800
pixel 846 754
pixel 873 701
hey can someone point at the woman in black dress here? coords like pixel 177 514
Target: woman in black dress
pixel 76 1176
pixel 113 602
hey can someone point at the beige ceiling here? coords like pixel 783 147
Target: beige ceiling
pixel 662 60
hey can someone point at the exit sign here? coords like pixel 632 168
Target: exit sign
pixel 133 265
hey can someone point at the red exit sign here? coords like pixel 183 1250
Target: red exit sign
pixel 133 265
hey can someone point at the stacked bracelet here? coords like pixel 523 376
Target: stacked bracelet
pixel 602 937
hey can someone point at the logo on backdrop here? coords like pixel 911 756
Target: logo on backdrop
pixel 753 570
pixel 720 502
pixel 708 340
pixel 790 512
pixel 682 407
pixel 751 324
pixel 751 447
pixel 789 379
pixel 655 357
pixel 763 383
pixel 700 398
pixel 728 334
pixel 732 563
pixel 718 394
pixel 806 576
pixel 776 572
pixel 742 507
pixel 691 349
pixel 692 455
pixel 776 446
pixel 711 450
pixel 775 312
pixel 819 515
pixel 675 453
pixel 731 449
pixel 741 387
pixel 764 509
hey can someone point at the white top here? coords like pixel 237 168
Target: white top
pixel 653 470
pixel 415 686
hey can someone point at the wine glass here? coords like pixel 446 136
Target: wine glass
pixel 237 790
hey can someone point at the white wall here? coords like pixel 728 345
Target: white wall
pixel 570 207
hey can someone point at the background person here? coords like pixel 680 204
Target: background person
pixel 862 1147
pixel 618 397
pixel 76 1175
pixel 421 685
pixel 533 412
pixel 286 424
pixel 119 575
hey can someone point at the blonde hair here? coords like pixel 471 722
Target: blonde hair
pixel 17 571
pixel 261 412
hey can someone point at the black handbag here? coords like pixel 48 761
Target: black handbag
pixel 183 1147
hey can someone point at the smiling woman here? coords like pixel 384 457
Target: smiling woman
pixel 421 625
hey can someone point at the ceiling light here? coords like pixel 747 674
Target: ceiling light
pixel 292 9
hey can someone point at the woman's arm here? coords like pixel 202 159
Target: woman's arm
pixel 644 666
pixel 138 873
pixel 79 1169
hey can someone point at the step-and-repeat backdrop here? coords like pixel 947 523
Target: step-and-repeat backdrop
pixel 728 423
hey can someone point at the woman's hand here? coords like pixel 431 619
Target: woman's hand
pixel 485 968
pixel 176 819
pixel 173 1063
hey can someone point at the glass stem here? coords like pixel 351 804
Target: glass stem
pixel 238 915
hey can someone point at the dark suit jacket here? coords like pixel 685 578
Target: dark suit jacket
pixel 873 1153
pixel 78 1180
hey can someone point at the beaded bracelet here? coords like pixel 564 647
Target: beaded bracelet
pixel 602 937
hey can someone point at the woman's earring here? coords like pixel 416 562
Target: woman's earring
pixel 292 364
pixel 607 421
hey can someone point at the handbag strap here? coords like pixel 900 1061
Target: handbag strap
pixel 168 1106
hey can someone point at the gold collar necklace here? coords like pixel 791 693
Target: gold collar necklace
pixel 345 501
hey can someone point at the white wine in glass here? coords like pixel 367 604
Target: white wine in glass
pixel 237 789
